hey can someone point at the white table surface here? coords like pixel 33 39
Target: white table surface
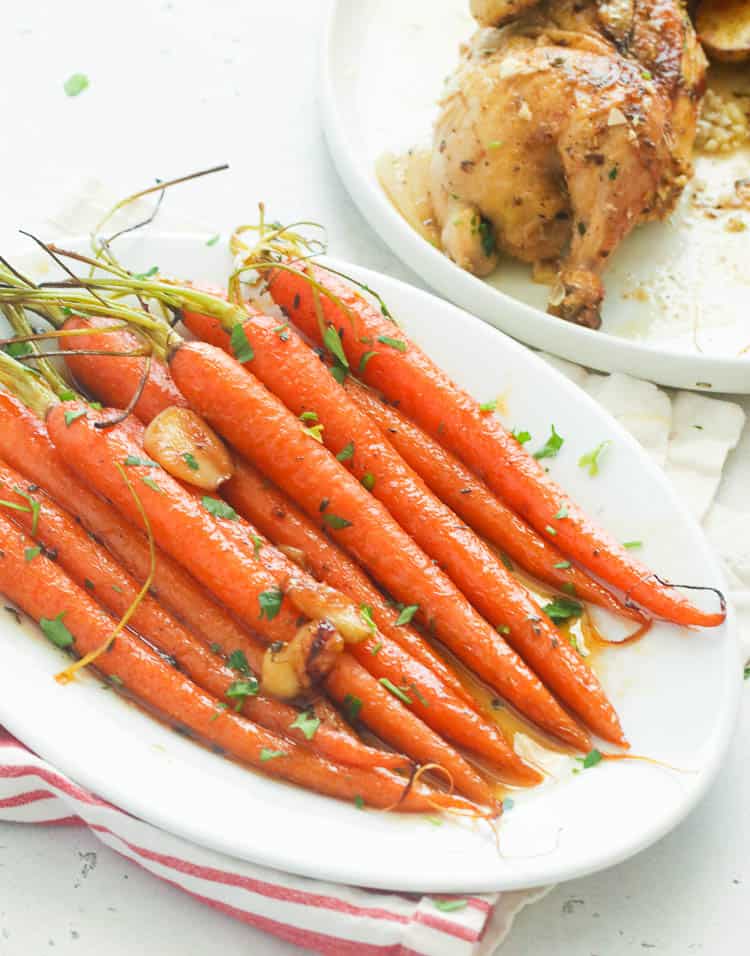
pixel 177 86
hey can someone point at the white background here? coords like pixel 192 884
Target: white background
pixel 177 86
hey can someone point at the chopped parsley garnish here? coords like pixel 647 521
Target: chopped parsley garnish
pixel 487 236
pixel 551 447
pixel 581 228
pixel 503 629
pixel 366 356
pixel 406 615
pixel 56 631
pixel 308 417
pixel 450 906
pixel 267 754
pixel 494 144
pixel 562 565
pixel 550 530
pixel 339 373
pixel 213 240
pixel 315 432
pixel 219 508
pixel 30 553
pixel 332 341
pixel 257 544
pixel 508 804
pixel 76 83
pixel 241 347
pixel 18 349
pixel 346 452
pixel 150 483
pixel 215 648
pixel 238 662
pixel 359 803
pixel 270 603
pixel 146 275
pixel 592 758
pixel 74 415
pixel 591 459
pixel 376 649
pixel 394 343
pixel 191 461
pixel 335 522
pixel 116 680
pixel 396 691
pixel 242 689
pixel 563 609
pixel 89 584
pixel 365 612
pixel 353 706
pixel 132 461
pixel 746 672
pixel 630 545
pixel 218 710
pixel 307 722
pixel 562 513
pixel 66 394
pixel 368 480
pixel 613 173
pixel 490 406
pixel 521 436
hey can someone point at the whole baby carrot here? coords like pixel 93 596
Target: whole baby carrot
pixel 389 361
pixel 470 498
pixel 115 380
pixel 289 368
pixel 229 397
pixel 74 620
pixel 91 567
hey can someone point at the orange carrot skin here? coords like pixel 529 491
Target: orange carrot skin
pixel 223 560
pixel 426 394
pixel 279 519
pixel 91 567
pixel 48 592
pixel 26 446
pixel 183 527
pixel 289 369
pixel 115 380
pixel 229 397
pixel 349 683
pixel 472 500
pixel 429 702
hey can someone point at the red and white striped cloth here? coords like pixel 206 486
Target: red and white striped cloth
pixel 323 917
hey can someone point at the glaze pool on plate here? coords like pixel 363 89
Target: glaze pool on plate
pixel 675 311
pixel 573 825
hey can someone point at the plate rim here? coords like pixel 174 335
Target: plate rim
pixel 343 870
pixel 589 347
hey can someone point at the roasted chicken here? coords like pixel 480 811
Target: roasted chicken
pixel 566 124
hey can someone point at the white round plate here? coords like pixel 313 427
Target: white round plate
pixel 677 692
pixel 677 292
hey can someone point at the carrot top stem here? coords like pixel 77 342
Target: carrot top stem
pixel 26 386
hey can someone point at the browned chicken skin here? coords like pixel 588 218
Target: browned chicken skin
pixel 561 132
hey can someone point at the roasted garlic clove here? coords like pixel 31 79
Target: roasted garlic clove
pixel 316 600
pixel 189 449
pixel 291 670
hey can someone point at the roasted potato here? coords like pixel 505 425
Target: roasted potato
pixel 724 29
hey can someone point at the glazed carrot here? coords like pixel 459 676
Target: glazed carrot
pixel 470 498
pixel 46 593
pixel 288 367
pixel 92 568
pixel 26 446
pixel 279 519
pixel 230 398
pixel 114 380
pixel 229 565
pixel 405 374
pixel 382 654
